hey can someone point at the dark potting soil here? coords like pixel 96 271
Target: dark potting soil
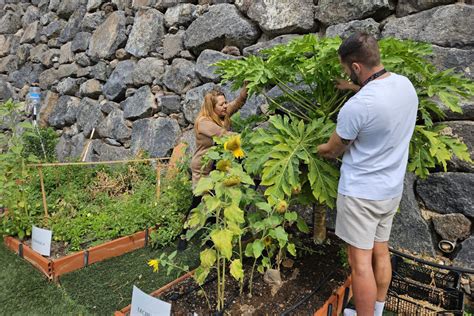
pixel 58 248
pixel 319 271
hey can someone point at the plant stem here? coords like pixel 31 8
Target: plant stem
pixel 251 276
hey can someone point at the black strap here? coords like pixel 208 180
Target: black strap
pixel 374 76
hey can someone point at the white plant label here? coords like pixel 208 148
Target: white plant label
pixel 41 240
pixel 146 305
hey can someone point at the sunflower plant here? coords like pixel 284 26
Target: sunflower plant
pixel 220 218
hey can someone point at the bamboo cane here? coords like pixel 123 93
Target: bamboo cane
pixel 43 193
pixel 158 180
pixel 54 164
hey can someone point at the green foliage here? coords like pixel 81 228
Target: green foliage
pixel 15 176
pixel 285 157
pixel 305 70
pixel 92 204
pixel 226 194
pixel 41 143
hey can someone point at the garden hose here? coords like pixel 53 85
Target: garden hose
pixel 422 261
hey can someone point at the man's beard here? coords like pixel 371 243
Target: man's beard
pixel 354 78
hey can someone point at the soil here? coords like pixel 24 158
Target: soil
pixel 318 271
pixel 58 249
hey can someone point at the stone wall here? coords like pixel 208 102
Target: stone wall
pixel 136 71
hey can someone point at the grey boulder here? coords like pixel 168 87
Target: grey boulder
pixel 114 127
pixel 446 26
pixel 204 64
pixel 447 193
pixel 107 38
pixel 283 17
pixel 155 136
pixel 140 105
pixel 222 25
pixel 410 231
pixel 181 76
pixel 147 32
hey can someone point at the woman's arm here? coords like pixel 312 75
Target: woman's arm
pixel 209 128
pixel 235 105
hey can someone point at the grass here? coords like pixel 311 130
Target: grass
pixel 99 289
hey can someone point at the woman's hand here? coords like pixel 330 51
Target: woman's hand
pixel 342 84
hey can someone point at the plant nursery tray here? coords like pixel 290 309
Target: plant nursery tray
pixel 317 284
pixel 54 268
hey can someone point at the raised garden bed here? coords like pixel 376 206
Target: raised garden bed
pixel 317 283
pixel 53 268
pixel 99 212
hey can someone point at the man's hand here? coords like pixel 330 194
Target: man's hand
pixel 342 84
pixel 334 147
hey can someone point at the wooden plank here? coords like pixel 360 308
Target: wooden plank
pixel 336 300
pixel 68 263
pixel 38 261
pixel 116 247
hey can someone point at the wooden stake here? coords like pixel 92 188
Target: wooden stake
pixel 43 193
pixel 158 180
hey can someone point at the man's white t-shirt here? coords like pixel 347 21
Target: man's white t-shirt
pixel 380 119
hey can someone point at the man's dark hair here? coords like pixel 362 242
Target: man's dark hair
pixel 360 48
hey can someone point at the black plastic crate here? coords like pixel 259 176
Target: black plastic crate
pixel 425 275
pixel 447 301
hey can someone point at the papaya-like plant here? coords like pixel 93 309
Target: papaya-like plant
pixel 303 74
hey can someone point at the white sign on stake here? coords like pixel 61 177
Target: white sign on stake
pixel 146 305
pixel 41 240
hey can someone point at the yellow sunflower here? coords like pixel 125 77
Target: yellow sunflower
pixel 233 145
pixel 155 264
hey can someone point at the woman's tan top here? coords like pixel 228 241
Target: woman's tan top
pixel 207 129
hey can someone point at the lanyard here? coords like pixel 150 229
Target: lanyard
pixel 374 76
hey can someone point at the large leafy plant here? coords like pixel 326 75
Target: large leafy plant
pixel 305 69
pixel 298 80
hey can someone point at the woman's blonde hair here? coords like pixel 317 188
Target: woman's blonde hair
pixel 207 110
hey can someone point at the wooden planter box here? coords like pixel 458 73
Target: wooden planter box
pixel 53 268
pixel 333 306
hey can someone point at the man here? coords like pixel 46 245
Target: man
pixel 373 131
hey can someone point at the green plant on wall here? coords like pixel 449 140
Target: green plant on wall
pixel 15 176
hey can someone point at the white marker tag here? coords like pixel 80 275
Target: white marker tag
pixel 146 305
pixel 41 240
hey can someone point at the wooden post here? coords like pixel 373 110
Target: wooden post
pixel 43 193
pixel 158 179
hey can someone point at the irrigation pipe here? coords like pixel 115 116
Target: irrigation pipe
pixel 308 296
pixel 422 261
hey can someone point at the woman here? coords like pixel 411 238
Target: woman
pixel 213 120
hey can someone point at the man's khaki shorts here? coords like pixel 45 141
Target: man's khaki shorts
pixel 361 222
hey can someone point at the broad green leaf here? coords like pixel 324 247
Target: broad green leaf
pixel 208 257
pixel 236 269
pixel 204 185
pixel 291 216
pixel 291 249
pixel 222 239
pixel 234 214
pixel 201 274
pixel 301 224
pixel 257 248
